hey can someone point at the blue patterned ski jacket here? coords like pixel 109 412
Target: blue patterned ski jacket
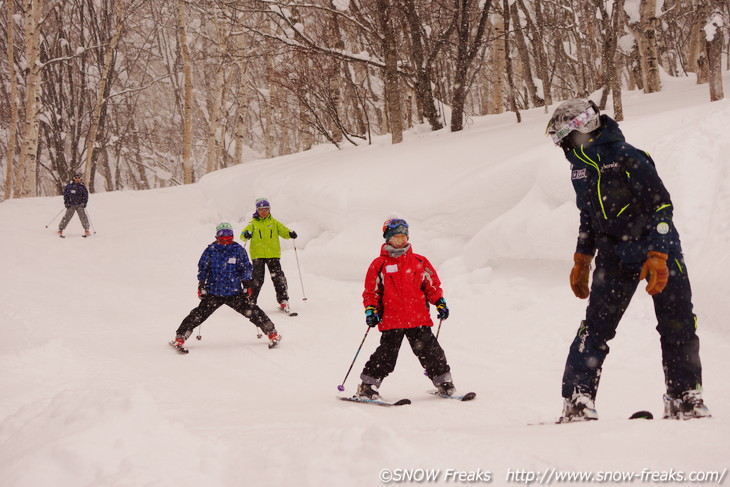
pixel 222 268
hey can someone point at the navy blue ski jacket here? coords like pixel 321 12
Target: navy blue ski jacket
pixel 75 194
pixel 624 206
pixel 222 268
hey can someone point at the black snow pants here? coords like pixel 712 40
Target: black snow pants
pixel 238 302
pixel 424 346
pixel 277 277
pixel 614 284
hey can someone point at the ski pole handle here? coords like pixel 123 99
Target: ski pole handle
pixel 341 387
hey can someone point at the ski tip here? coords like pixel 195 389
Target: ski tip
pixel 294 314
pixel 642 415
pixel 402 402
pixel 469 396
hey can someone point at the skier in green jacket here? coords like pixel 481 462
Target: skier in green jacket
pixel 264 232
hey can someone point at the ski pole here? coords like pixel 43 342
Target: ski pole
pixel 438 330
pixel 55 217
pixel 88 217
pixel 341 387
pixel 300 271
pixel 199 336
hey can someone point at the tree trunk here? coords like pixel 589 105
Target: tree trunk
pixel 508 63
pixel 714 43
pixel 100 93
pixel 26 182
pixel 13 123
pixel 524 54
pixel 496 102
pixel 393 105
pixel 650 54
pixel 187 168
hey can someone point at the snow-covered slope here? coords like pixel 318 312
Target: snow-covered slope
pixel 93 396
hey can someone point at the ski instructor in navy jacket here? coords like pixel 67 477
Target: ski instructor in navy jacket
pixel 75 198
pixel 626 218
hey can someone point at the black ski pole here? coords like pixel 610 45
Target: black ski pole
pixel 341 387
pixel 300 271
pixel 438 330
pixel 56 217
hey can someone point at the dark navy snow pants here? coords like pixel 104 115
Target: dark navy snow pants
pixel 614 284
pixel 277 277
pixel 238 302
pixel 424 346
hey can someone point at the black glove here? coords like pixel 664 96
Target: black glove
pixel 293 234
pixel 247 235
pixel 443 310
pixel 83 206
pixel 372 317
pixel 201 290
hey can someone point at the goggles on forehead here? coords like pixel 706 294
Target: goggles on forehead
pixel 395 223
pixel 578 123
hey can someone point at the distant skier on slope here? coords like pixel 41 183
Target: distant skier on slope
pixel 264 232
pixel 626 215
pixel 399 285
pixel 75 198
pixel 224 274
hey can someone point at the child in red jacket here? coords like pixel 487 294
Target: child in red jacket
pixel 399 286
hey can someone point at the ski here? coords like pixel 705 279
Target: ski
pixel 289 313
pixel 642 415
pixel 459 397
pixel 178 348
pixel 636 415
pixel 375 402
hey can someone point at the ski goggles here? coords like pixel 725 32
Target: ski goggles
pixel 395 223
pixel 578 123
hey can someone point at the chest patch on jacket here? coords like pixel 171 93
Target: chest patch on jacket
pixel 231 260
pixel 391 268
pixel 579 174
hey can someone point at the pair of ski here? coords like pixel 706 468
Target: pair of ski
pixel 379 402
pixel 182 350
pixel 64 236
pixel 636 415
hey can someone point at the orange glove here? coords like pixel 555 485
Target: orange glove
pixel 656 267
pixel 579 275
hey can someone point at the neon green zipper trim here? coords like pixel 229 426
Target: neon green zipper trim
pixel 679 266
pixel 662 207
pixel 622 209
pixel 588 161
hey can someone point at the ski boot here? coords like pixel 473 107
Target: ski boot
pixel 579 407
pixel 284 307
pixel 179 343
pixel 86 233
pixel 446 389
pixel 368 391
pixel 688 405
pixel 60 233
pixel 274 339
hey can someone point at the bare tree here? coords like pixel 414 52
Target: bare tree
pixel 714 44
pixel 13 82
pixel 188 92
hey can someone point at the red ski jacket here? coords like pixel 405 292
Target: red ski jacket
pixel 401 288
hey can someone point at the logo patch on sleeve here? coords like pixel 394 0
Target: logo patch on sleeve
pixel 579 174
pixel 662 228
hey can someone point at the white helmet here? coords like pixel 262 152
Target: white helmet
pixel 576 114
